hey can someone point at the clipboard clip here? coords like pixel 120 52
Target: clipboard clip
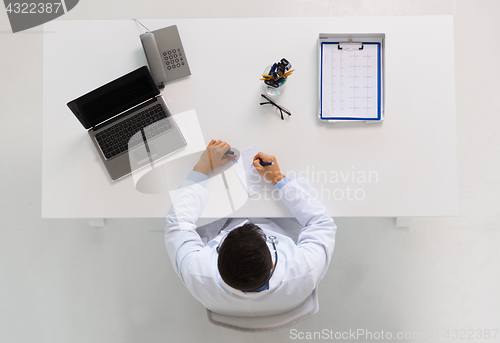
pixel 350 45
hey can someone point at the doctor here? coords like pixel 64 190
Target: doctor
pixel 249 269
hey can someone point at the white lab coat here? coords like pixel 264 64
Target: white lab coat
pixel 299 269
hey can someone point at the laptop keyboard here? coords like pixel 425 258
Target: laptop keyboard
pixel 115 140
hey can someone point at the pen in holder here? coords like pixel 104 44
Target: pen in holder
pixel 275 77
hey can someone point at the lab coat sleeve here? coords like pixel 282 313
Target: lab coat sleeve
pixel 317 239
pixel 181 238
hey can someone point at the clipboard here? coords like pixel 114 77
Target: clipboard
pixel 351 77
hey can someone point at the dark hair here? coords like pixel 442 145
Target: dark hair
pixel 244 259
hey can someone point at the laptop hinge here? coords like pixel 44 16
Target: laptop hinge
pixel 123 114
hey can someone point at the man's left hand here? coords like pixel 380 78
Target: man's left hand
pixel 213 157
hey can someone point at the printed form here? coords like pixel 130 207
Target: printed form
pixel 349 82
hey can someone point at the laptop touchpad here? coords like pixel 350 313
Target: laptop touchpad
pixel 142 156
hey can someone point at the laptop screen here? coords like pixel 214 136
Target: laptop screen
pixel 114 97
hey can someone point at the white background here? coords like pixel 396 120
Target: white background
pixel 62 281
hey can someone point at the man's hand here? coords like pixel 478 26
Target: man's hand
pixel 213 157
pixel 271 173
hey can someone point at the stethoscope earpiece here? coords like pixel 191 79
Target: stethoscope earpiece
pixel 272 240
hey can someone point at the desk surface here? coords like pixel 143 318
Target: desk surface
pixel 405 166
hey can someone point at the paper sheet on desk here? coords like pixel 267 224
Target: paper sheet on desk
pixel 350 82
pixel 249 176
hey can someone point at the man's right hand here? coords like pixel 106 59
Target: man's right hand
pixel 271 173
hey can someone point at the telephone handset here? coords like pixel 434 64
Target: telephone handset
pixel 165 54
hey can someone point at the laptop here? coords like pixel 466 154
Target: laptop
pixel 129 123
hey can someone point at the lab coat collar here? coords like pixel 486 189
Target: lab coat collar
pixel 273 284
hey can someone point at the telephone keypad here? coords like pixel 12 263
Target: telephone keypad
pixel 173 58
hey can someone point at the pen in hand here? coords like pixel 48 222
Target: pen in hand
pixel 265 164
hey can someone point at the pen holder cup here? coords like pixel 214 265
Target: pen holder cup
pixel 271 90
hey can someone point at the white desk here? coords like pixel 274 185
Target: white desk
pixel 405 166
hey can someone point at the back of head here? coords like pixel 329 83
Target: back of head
pixel 244 259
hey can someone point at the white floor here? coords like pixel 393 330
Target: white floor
pixel 62 281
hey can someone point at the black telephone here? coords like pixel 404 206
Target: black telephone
pixel 165 54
